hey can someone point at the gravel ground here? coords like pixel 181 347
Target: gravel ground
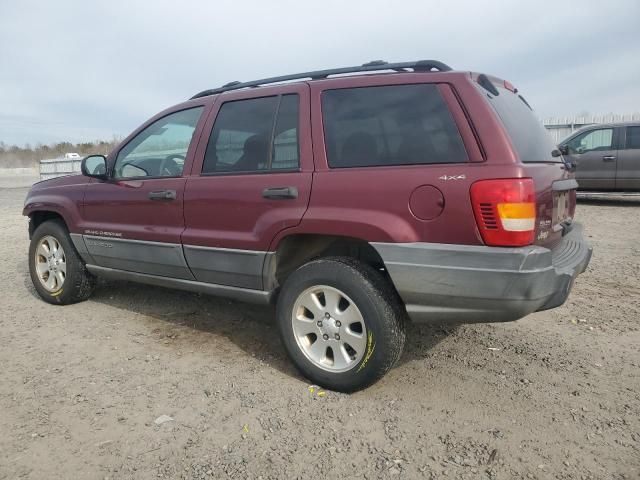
pixel 555 395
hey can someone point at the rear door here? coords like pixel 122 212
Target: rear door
pixel 628 174
pixel 595 154
pixel 251 179
pixel 134 220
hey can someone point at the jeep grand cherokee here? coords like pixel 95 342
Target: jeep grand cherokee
pixel 353 202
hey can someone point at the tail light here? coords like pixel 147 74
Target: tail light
pixel 505 211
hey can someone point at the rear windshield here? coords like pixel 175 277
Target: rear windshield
pixel 531 140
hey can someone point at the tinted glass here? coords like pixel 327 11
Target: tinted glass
pixel 529 137
pixel 390 125
pixel 160 149
pixel 241 139
pixel 633 137
pixel 285 142
pixel 595 140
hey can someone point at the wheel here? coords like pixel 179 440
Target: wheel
pixel 57 271
pixel 341 323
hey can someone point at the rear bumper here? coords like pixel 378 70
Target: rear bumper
pixel 467 284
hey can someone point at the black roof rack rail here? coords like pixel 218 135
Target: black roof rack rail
pixel 419 66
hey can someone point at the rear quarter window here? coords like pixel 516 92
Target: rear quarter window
pixel 529 137
pixel 389 125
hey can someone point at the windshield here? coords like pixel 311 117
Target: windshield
pixel 531 140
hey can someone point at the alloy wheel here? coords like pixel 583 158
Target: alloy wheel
pixel 329 328
pixel 50 263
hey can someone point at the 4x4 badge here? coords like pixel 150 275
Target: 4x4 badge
pixel 452 177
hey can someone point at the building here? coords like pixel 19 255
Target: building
pixel 561 128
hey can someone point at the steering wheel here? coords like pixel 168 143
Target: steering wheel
pixel 169 167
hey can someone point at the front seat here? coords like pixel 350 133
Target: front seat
pixel 254 153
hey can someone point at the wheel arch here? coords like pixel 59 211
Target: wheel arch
pixel 38 217
pixel 294 250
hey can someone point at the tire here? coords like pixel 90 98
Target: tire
pixel 75 283
pixel 345 283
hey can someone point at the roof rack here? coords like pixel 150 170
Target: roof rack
pixel 419 66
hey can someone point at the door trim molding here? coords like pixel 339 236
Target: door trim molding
pixel 224 249
pixel 246 269
pixel 236 293
pixel 226 266
pixel 154 258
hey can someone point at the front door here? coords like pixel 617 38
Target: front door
pixel 595 154
pixel 134 220
pixel 628 175
pixel 251 179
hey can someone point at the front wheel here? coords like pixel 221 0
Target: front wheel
pixel 57 271
pixel 341 322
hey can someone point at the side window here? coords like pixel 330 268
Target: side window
pixel 595 140
pixel 633 138
pixel 390 125
pixel 285 141
pixel 160 149
pixel 254 135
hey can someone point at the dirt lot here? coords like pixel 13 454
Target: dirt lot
pixel 556 395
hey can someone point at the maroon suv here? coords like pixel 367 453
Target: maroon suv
pixel 354 202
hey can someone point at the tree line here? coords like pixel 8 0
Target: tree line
pixel 13 156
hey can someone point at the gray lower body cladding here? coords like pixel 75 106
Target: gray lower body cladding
pixel 437 282
pixel 220 271
pixel 237 293
pixel 154 258
pixel 467 284
pixel 240 268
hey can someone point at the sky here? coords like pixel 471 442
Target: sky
pixel 87 70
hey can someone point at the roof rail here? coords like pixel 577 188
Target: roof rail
pixel 419 66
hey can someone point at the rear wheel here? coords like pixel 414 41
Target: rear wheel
pixel 341 323
pixel 57 271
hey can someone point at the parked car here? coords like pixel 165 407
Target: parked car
pixel 353 203
pixel 607 156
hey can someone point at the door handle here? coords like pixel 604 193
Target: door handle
pixel 162 195
pixel 609 158
pixel 280 193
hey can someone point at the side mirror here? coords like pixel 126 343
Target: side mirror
pixel 94 166
pixel 564 149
